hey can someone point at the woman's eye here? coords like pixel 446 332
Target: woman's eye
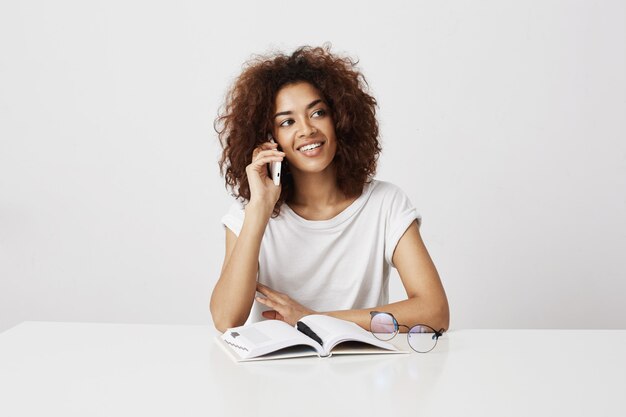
pixel 319 113
pixel 287 122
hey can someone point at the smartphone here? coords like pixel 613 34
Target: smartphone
pixel 275 167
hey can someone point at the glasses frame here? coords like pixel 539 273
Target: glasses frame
pixel 436 333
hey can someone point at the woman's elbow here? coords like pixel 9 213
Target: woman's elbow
pixel 219 321
pixel 223 322
pixel 443 315
pixel 219 327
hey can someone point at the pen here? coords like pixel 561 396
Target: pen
pixel 307 331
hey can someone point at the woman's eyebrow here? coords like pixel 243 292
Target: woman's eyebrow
pixel 311 104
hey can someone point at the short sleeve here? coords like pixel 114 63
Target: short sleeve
pixel 233 219
pixel 400 215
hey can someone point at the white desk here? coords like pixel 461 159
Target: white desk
pixel 81 369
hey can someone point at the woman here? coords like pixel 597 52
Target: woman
pixel 324 240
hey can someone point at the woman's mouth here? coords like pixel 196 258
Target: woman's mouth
pixel 312 149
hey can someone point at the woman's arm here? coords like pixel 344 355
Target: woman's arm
pixel 233 294
pixel 426 301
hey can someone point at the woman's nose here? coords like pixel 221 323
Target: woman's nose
pixel 307 129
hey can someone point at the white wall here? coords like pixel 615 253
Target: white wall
pixel 504 121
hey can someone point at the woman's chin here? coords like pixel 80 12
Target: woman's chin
pixel 314 167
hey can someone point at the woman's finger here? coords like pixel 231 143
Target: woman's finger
pixel 262 148
pixel 262 288
pixel 266 291
pixel 272 294
pixel 267 146
pixel 272 315
pixel 265 154
pixel 266 160
pixel 266 301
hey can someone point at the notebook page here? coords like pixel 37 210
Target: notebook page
pixel 333 331
pixel 264 337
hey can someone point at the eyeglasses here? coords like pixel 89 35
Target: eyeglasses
pixel 421 337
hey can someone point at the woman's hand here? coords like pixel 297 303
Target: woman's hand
pixel 263 191
pixel 284 308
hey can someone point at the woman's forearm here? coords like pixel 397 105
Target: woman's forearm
pixel 234 292
pixel 434 313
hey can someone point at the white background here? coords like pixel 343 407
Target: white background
pixel 504 121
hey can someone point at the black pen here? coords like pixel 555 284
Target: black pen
pixel 307 331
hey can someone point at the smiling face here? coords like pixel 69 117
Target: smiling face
pixel 303 127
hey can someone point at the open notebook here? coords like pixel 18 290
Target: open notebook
pixel 275 339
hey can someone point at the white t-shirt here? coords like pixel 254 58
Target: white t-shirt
pixel 337 264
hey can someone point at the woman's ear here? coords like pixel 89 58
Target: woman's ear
pixel 271 138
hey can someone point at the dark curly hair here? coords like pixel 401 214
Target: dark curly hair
pixel 245 119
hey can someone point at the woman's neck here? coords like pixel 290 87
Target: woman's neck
pixel 317 195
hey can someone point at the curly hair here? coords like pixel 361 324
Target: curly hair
pixel 245 119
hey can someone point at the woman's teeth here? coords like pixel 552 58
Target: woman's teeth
pixel 311 146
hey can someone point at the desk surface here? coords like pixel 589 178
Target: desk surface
pixel 85 369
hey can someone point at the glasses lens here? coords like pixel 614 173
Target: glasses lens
pixel 383 326
pixel 422 338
